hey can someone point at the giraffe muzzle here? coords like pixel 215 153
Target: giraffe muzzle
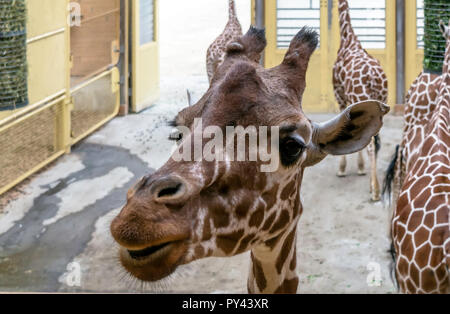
pixel 154 262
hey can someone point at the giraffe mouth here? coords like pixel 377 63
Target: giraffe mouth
pixel 154 262
pixel 150 251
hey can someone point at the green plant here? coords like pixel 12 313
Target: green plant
pixel 13 54
pixel 434 50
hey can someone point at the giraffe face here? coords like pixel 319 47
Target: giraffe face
pixel 188 210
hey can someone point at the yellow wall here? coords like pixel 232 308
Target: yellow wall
pixel 145 67
pixel 50 97
pixel 413 55
pixel 47 51
pixel 44 16
pixel 319 96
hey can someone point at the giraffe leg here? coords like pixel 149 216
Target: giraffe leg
pixel 374 185
pixel 342 166
pixel 339 93
pixel 361 170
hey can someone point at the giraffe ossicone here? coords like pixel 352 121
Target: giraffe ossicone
pixel 189 210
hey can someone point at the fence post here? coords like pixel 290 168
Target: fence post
pixel 260 19
pixel 400 42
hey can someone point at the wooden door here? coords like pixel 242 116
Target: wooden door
pixel 144 54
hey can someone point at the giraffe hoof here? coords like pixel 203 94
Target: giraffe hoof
pixel 362 172
pixel 341 174
pixel 375 199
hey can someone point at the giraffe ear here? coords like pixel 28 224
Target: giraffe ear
pixel 251 44
pixel 186 116
pixel 349 132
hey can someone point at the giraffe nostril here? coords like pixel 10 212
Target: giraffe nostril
pixel 169 189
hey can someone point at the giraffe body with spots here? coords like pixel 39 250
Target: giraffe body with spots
pixel 216 52
pixel 421 187
pixel 421 100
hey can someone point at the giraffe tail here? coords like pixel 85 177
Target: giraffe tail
pixel 392 265
pixel 387 193
pixel 389 177
pixel 377 144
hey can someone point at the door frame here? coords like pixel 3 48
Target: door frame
pixel 414 55
pixel 139 99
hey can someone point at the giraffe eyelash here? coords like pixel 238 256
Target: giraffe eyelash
pixel 172 123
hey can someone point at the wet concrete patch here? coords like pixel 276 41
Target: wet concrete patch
pixel 32 255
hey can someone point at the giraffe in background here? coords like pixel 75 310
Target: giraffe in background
pixel 217 50
pixel 420 103
pixel 420 224
pixel 357 76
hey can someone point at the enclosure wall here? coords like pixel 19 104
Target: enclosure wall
pixel 68 98
pixel 375 25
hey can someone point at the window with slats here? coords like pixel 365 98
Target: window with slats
pixel 147 32
pixel 292 15
pixel 369 22
pixel 420 23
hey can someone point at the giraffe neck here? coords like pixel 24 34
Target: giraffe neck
pixel 446 65
pixel 347 34
pixel 232 10
pixel 273 270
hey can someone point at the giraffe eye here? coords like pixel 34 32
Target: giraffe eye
pixel 291 149
pixel 176 136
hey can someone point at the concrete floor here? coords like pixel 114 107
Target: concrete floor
pixel 62 215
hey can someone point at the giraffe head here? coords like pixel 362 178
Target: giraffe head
pixel 445 29
pixel 446 67
pixel 188 210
